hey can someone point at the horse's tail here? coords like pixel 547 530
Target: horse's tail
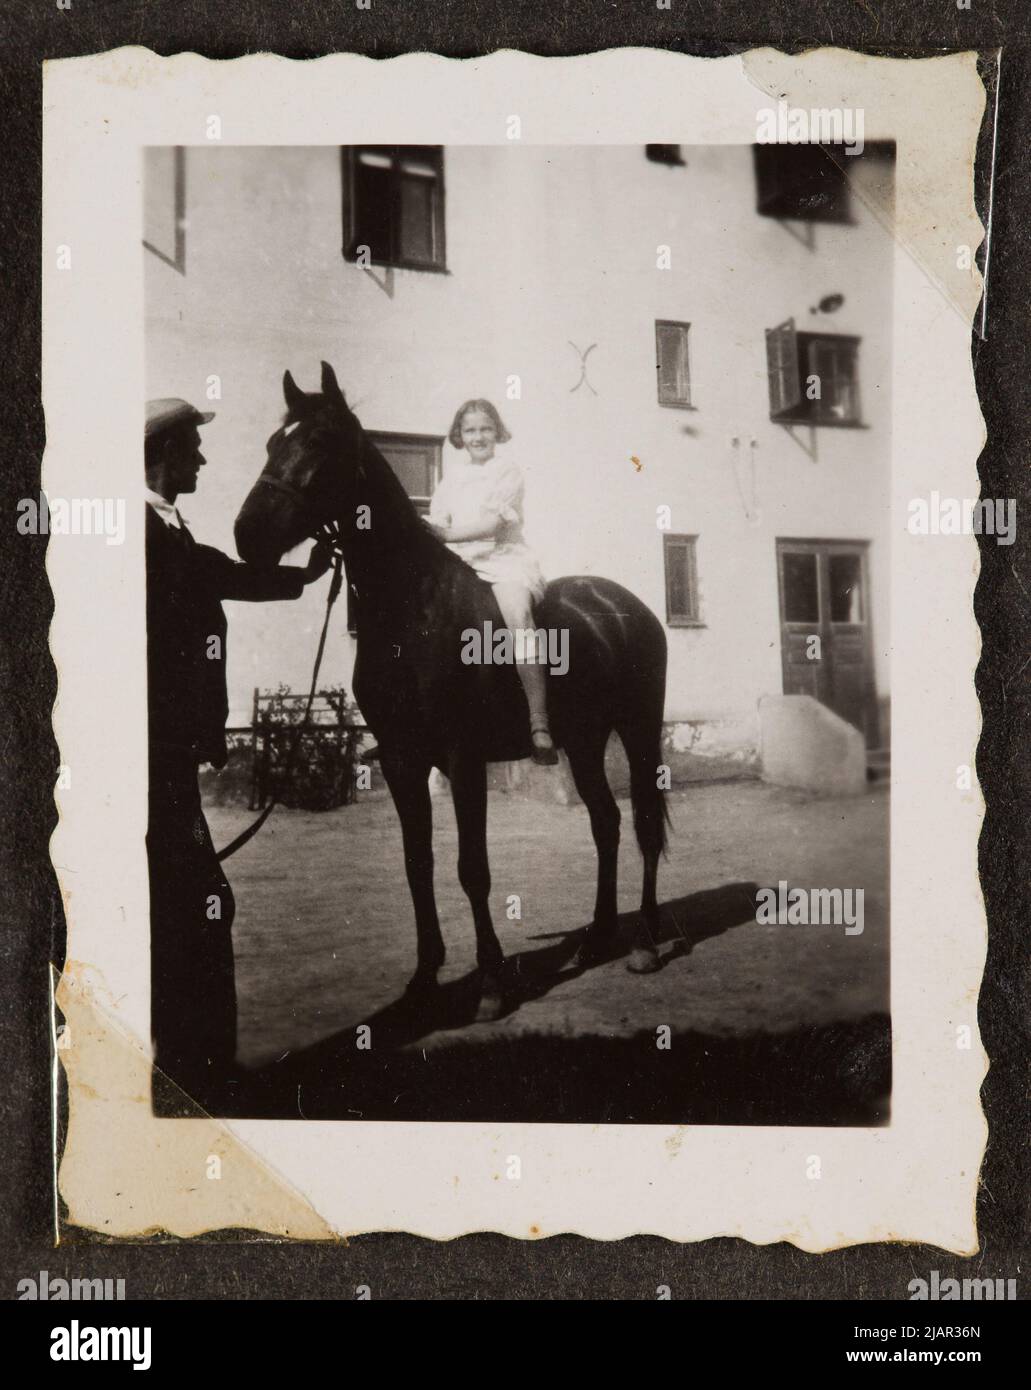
pixel 641 735
pixel 651 813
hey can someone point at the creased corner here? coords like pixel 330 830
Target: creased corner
pixel 937 222
pixel 126 1173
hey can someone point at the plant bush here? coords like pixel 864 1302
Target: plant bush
pixel 320 773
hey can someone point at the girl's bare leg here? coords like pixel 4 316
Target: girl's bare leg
pixel 514 602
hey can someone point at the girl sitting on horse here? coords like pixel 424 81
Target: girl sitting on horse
pixel 477 509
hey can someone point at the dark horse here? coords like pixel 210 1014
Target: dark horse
pixel 414 599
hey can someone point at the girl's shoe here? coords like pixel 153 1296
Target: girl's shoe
pixel 543 750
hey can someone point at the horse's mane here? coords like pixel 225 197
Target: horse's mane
pixel 388 490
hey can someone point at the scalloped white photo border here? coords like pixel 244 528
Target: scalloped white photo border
pixel 913 1180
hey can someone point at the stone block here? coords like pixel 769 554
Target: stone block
pixel 804 744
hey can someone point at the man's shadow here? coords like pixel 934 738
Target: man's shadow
pixel 452 1006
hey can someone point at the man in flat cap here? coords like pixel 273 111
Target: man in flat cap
pixel 193 992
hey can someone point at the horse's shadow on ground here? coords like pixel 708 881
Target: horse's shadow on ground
pixel 529 975
pixel 831 1073
pixel 532 974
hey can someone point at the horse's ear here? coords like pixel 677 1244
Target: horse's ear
pixel 293 395
pixel 330 389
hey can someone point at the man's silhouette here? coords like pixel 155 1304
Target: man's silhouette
pixel 193 994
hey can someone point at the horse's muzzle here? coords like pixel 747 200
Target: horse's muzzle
pixel 255 536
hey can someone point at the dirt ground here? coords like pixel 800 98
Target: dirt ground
pixel 790 1014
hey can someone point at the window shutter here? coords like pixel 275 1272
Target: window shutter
pixel 782 369
pixel 417 211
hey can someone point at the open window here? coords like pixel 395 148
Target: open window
pixel 804 182
pixel 813 377
pixel 394 204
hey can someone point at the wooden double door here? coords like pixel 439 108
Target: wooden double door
pixel 826 645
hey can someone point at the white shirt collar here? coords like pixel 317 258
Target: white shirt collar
pixel 165 509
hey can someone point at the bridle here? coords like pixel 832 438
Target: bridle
pixel 294 493
pixel 326 531
pixel 329 533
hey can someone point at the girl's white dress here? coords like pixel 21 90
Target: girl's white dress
pixel 468 488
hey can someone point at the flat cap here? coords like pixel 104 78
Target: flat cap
pixel 171 410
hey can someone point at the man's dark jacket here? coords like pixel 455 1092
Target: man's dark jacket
pixel 186 636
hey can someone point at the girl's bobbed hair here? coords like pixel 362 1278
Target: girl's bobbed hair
pixel 455 433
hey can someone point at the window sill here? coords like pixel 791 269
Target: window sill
pixel 685 622
pixel 677 405
pixel 398 265
pixel 819 424
pixel 791 212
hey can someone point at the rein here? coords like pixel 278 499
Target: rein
pixel 330 534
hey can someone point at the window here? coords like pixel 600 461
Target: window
pixel 678 553
pixel 846 588
pixel 416 459
pixel 800 587
pixel 394 204
pixel 807 182
pixel 822 582
pixel 813 377
pixel 663 154
pixel 674 380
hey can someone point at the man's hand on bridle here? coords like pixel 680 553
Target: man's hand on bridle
pixel 319 561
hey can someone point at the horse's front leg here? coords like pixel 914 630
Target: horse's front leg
pixel 468 776
pixel 409 786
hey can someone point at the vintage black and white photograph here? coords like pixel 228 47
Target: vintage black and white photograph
pixel 513 751
pixel 581 456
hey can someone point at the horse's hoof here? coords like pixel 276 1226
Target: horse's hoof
pixel 643 961
pixel 492 1003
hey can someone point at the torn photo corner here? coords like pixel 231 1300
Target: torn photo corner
pixel 513 585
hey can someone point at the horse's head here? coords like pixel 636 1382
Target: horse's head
pixel 309 473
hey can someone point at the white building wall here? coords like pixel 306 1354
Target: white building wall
pixel 546 246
